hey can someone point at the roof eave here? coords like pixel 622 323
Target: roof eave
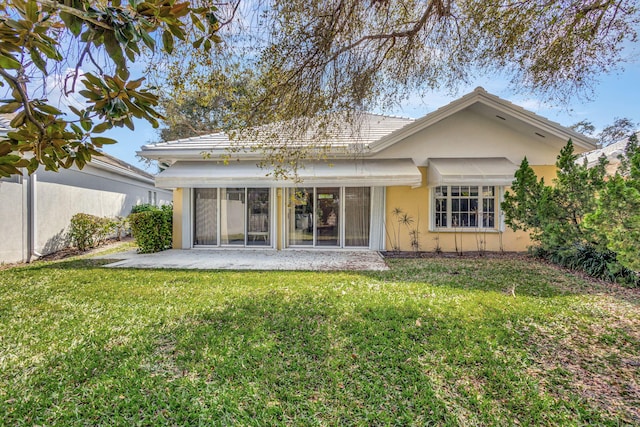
pixel 166 154
pixel 97 163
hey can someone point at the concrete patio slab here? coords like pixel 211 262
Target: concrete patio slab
pixel 251 259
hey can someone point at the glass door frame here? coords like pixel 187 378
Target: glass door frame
pixel 271 222
pixel 287 208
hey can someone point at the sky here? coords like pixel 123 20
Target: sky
pixel 615 95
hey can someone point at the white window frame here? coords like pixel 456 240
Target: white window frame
pixel 498 216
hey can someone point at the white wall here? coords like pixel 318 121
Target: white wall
pixel 12 220
pixel 469 134
pixel 59 196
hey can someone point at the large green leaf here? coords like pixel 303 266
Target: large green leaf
pixel 9 62
pixel 99 141
pixel 167 41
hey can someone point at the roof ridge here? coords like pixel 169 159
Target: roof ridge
pixel 389 116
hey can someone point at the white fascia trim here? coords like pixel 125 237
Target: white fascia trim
pixel 172 155
pixel 541 122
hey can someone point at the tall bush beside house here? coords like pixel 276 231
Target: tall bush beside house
pixel 616 219
pixel 554 214
pixel 152 229
pixel 143 207
pixel 558 217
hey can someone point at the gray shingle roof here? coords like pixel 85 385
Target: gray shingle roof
pixel 365 129
pixel 611 152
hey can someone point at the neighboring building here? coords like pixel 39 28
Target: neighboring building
pixel 36 210
pixel 448 171
pixel 612 152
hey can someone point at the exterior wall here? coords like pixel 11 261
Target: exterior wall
pixel 469 134
pixel 416 202
pixel 465 134
pixel 548 172
pixel 13 245
pixel 177 217
pixel 59 196
pixel 410 201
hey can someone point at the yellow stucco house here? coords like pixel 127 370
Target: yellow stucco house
pixel 437 181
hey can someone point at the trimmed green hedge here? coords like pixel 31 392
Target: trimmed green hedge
pixel 144 207
pixel 152 229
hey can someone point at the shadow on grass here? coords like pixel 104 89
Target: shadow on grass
pixel 72 264
pixel 269 359
pixel 521 275
pixel 514 276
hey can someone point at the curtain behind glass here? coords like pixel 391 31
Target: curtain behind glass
pixel 357 216
pixel 206 216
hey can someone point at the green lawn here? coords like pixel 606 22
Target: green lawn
pixel 439 341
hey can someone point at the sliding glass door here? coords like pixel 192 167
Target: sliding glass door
pixel 258 217
pixel 232 217
pixel 205 216
pixel 357 215
pixel 301 217
pixel 329 217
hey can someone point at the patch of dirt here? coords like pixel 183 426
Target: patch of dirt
pixel 463 255
pixel 592 286
pixel 598 361
pixel 71 252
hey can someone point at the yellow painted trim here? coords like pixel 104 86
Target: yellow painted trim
pixel 177 218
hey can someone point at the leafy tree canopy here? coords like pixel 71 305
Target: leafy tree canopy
pixel 42 38
pixel 616 131
pixel 294 61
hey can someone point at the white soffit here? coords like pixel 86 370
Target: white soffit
pixel 466 171
pixel 347 173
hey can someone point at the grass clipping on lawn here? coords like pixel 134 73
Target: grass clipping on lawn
pixel 434 341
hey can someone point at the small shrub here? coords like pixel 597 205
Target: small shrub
pixel 84 230
pixel 152 229
pixel 120 226
pixel 601 264
pixel 144 207
pixel 106 227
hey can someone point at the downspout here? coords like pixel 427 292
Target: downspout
pixel 32 217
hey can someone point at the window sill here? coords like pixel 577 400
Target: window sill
pixel 464 230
